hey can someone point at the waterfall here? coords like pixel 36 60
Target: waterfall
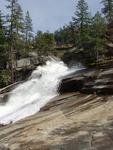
pixel 27 98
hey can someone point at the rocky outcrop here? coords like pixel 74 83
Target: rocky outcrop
pixel 70 122
pixel 71 84
pixel 99 81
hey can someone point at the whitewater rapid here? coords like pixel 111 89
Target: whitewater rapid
pixel 27 98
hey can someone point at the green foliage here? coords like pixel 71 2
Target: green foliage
pixel 108 10
pixel 28 34
pixel 87 33
pixel 44 43
pixel 81 17
pixel 28 28
pixel 65 35
pixel 5 78
pixel 81 22
pixel 13 43
pixel 3 44
pixel 99 29
pixel 15 28
pixel 15 21
pixel 108 13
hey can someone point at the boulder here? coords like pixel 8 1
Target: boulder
pixel 4 98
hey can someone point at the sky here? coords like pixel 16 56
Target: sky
pixel 49 15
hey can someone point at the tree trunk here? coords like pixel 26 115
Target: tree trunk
pixel 12 64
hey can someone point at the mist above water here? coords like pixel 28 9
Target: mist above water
pixel 27 98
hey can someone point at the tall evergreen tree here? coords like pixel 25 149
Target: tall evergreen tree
pixel 3 52
pixel 108 9
pixel 99 28
pixel 15 24
pixel 4 74
pixel 19 35
pixel 81 17
pixel 28 28
pixel 2 34
pixel 108 12
pixel 81 21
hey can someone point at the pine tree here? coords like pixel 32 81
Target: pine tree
pixel 2 35
pixel 81 17
pixel 108 10
pixel 99 28
pixel 3 52
pixel 81 22
pixel 28 29
pixel 19 32
pixel 4 74
pixel 15 19
pixel 15 26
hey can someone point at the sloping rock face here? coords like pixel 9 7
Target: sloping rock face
pixel 99 81
pixel 69 122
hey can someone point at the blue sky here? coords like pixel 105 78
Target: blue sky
pixel 51 14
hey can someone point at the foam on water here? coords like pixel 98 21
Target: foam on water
pixel 27 98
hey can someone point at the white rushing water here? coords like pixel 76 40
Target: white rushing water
pixel 27 98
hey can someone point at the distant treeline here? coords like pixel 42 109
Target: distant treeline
pixel 91 34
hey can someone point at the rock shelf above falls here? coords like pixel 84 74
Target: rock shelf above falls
pixel 81 118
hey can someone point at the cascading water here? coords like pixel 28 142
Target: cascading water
pixel 27 98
